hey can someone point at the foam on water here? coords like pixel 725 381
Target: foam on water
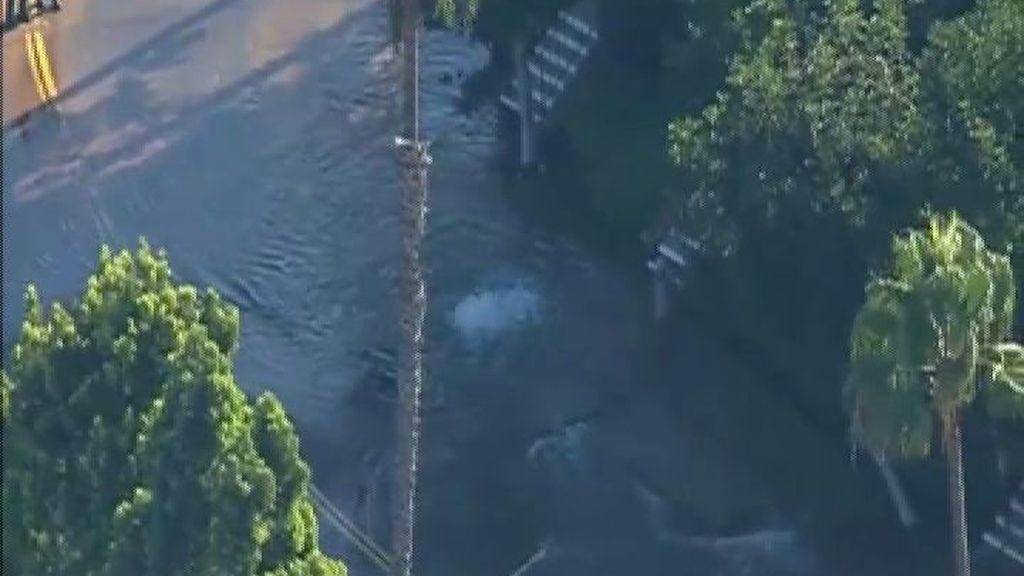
pixel 759 553
pixel 566 445
pixel 486 315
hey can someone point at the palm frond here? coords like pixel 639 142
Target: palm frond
pixel 1006 389
pixel 895 419
pixel 928 323
pixel 1004 296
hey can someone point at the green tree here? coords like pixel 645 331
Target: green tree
pixel 129 448
pixel 936 323
pixel 820 110
pixel 5 398
pixel 828 108
pixel 498 22
pixel 457 13
pixel 973 68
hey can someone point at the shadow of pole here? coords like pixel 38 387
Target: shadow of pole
pixel 155 43
pixel 177 123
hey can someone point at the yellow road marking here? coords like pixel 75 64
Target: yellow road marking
pixel 39 58
pixel 45 69
pixel 30 51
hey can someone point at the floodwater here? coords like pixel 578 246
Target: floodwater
pixel 253 140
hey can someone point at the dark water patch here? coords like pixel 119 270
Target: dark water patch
pixel 280 189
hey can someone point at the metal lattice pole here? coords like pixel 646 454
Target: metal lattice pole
pixel 413 162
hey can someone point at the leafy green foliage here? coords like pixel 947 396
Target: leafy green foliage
pixel 5 397
pixel 500 22
pixel 861 99
pixel 1006 398
pixel 974 71
pixel 131 450
pixel 457 13
pixel 820 105
pixel 935 323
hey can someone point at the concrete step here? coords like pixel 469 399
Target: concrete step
pixel 999 543
pixel 545 100
pixel 539 74
pixel 570 44
pixel 554 59
pixel 549 68
pixel 579 25
pixel 1008 534
pixel 539 97
pixel 1010 538
pixel 574 35
pixel 542 93
pixel 513 105
pixel 1011 527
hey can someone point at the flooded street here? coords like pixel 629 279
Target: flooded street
pixel 253 141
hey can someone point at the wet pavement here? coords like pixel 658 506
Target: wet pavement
pixel 252 140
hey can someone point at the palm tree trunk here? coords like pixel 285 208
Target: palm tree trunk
pixel 958 513
pixel 413 161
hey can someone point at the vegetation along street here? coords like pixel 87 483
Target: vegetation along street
pixel 513 287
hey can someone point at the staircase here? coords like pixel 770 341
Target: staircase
pixel 556 60
pixel 673 257
pixel 1007 536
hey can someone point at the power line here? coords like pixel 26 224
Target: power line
pixel 348 528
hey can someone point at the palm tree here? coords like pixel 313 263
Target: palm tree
pixel 413 160
pixel 933 330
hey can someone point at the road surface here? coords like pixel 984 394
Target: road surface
pixel 252 140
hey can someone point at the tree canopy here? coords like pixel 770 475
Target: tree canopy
pixel 974 71
pixel 130 449
pixel 937 321
pixel 936 326
pixel 828 109
pixel 820 106
pixel 497 21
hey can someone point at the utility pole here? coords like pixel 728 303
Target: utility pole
pixel 413 163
